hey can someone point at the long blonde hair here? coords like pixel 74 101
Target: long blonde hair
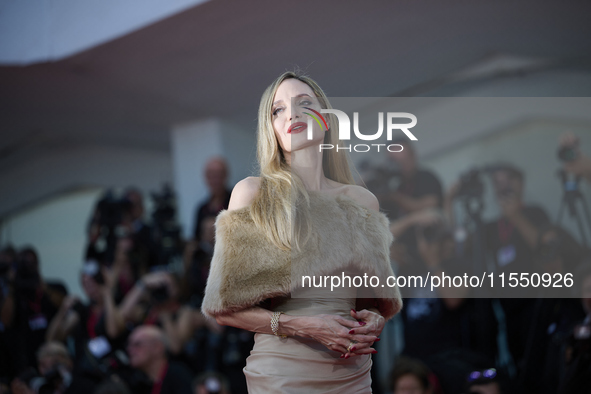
pixel 282 195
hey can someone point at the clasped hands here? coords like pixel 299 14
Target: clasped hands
pixel 349 337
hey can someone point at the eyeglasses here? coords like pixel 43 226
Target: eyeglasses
pixel 490 373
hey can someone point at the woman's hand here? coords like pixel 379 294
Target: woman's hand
pixel 337 333
pixel 370 325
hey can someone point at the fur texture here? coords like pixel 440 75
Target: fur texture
pixel 247 268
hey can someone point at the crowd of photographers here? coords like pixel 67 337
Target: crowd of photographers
pixel 533 339
pixel 140 330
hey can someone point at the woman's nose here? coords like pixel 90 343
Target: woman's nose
pixel 294 114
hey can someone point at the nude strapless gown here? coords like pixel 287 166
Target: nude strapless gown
pixel 300 365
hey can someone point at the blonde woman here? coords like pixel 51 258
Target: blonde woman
pixel 303 216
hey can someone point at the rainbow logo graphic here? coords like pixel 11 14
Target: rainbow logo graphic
pixel 316 117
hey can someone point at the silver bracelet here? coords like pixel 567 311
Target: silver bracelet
pixel 275 324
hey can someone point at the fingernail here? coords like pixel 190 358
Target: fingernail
pixel 353 349
pixel 374 352
pixel 342 355
pixel 362 323
pixel 347 356
pixel 353 310
pixel 377 340
pixel 352 332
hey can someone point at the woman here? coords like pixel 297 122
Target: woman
pixel 302 217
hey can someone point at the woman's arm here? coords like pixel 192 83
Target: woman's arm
pixel 332 331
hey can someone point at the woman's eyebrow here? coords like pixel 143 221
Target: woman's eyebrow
pixel 299 95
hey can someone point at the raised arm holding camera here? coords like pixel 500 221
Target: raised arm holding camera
pixel 154 301
pixel 100 317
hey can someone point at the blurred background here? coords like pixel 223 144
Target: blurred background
pixel 112 111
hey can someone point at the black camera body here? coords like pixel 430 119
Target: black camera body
pixel 160 294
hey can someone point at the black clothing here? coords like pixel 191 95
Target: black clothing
pixel 27 333
pixel 93 349
pixel 430 327
pixel 204 210
pixel 554 320
pixel 512 254
pixel 177 380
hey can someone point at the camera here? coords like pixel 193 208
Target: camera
pixel 471 184
pixel 111 210
pixel 93 269
pixel 160 294
pixel 567 153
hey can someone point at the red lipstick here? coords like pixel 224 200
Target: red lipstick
pixel 297 127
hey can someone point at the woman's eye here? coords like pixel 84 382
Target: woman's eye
pixel 305 102
pixel 276 111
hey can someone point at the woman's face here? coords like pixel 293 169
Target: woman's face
pixel 289 119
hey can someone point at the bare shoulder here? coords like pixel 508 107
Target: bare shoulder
pixel 363 197
pixel 244 193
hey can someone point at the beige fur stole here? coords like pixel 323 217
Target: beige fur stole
pixel 247 268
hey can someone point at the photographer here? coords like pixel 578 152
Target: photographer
pixel 55 374
pixel 216 178
pixel 95 327
pixel 117 218
pixel 448 324
pixel 7 275
pixel 196 261
pixel 154 301
pixel 418 190
pixel 576 376
pixel 147 347
pixel 211 345
pixel 26 311
pixel 553 318
pixel 511 240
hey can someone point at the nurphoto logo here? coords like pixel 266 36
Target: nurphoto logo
pixel 345 129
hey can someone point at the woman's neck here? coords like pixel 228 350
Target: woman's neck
pixel 307 164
